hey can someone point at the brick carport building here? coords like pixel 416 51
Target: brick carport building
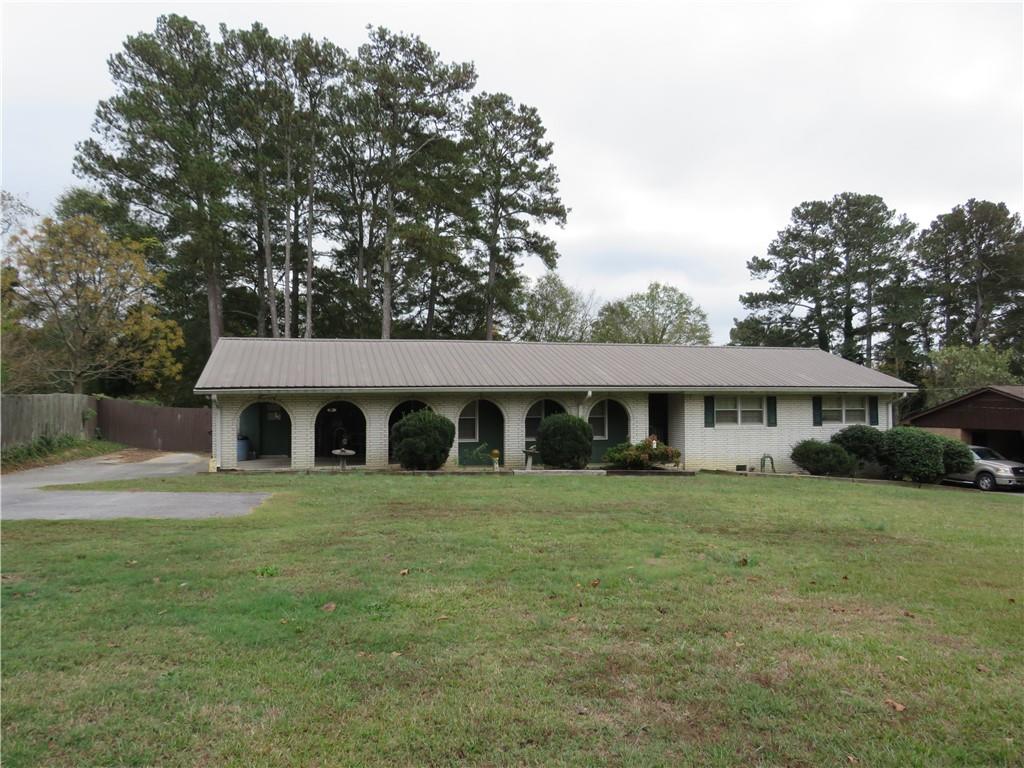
pixel 991 416
pixel 295 400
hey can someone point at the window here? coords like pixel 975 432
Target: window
pixel 751 410
pixel 856 410
pixel 599 420
pixel 537 413
pixel 468 420
pixel 839 409
pixel 739 410
pixel 832 409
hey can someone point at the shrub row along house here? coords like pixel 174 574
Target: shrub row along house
pixel 291 402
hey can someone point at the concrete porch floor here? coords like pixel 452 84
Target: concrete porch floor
pixel 284 464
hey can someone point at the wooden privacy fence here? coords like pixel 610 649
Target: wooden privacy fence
pixel 27 417
pixel 157 427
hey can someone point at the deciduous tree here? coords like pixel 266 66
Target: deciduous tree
pixel 660 315
pixel 555 311
pixel 87 301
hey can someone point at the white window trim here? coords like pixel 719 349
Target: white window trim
pixel 739 412
pixel 476 423
pixel 865 406
pixel 604 404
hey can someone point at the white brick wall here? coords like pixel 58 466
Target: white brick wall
pixel 725 446
pixel 720 447
pixel 302 409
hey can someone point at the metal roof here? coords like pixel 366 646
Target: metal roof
pixel 350 364
pixel 1013 391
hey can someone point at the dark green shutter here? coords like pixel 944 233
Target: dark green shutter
pixel 816 410
pixel 709 411
pixel 772 417
pixel 873 411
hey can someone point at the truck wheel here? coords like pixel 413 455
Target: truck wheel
pixel 985 481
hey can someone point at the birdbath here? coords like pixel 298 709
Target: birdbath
pixel 530 453
pixel 342 454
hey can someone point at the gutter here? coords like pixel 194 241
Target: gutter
pixel 512 390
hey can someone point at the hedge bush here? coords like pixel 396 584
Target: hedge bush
pixel 39 448
pixel 643 455
pixel 862 442
pixel 563 441
pixel 820 458
pixel 956 456
pixel 422 440
pixel 911 453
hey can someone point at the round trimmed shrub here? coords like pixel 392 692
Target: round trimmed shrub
pixel 422 439
pixel 862 442
pixel 956 456
pixel 820 458
pixel 913 454
pixel 643 455
pixel 563 441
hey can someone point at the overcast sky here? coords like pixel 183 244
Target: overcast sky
pixel 684 134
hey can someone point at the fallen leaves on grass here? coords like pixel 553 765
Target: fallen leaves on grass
pixel 903 658
pixel 395 654
pixel 328 607
pixel 909 615
pixel 404 572
pixel 895 705
pixel 443 618
pixel 595 583
pixel 982 668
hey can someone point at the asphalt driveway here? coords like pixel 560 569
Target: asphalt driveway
pixel 21 497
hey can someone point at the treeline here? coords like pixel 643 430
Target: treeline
pixel 298 189
pixel 937 306
pixel 259 185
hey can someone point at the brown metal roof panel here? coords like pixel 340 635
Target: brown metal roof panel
pixel 340 363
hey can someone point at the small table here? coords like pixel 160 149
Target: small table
pixel 342 454
pixel 530 453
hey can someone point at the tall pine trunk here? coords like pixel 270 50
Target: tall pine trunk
pixel 309 237
pixel 288 247
pixel 492 276
pixel 385 300
pixel 428 328
pixel 261 300
pixel 214 302
pixel 268 258
pixel 869 330
pixel 361 254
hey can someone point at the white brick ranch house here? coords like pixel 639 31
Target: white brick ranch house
pixel 290 402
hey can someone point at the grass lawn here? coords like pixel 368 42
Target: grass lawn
pixel 397 620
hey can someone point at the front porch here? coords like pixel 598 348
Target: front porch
pixel 276 431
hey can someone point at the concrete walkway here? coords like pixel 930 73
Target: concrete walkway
pixel 21 497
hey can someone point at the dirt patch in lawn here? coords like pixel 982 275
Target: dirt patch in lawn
pixel 133 456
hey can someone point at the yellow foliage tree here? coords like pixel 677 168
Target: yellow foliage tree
pixel 86 306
